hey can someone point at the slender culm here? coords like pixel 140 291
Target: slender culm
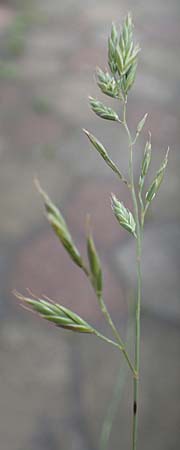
pixel 123 56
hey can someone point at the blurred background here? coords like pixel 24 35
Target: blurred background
pixel 56 387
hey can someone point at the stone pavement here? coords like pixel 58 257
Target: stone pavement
pixel 55 387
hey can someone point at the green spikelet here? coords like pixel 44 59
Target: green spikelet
pixel 59 315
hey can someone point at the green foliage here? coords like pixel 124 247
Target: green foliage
pixel 154 188
pixel 102 111
pixel 123 215
pixel 122 59
pixel 108 84
pixel 58 224
pixel 141 124
pixel 59 315
pixel 103 152
pixel 112 42
pixel 122 56
pixel 95 266
pixel 145 163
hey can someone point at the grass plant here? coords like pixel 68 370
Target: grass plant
pixel 116 83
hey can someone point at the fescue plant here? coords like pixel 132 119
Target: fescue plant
pixel 117 83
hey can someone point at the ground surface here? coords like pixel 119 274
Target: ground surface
pixel 55 387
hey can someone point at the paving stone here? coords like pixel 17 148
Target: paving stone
pixel 160 269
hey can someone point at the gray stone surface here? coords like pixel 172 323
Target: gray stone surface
pixel 160 367
pixel 35 375
pixel 161 260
